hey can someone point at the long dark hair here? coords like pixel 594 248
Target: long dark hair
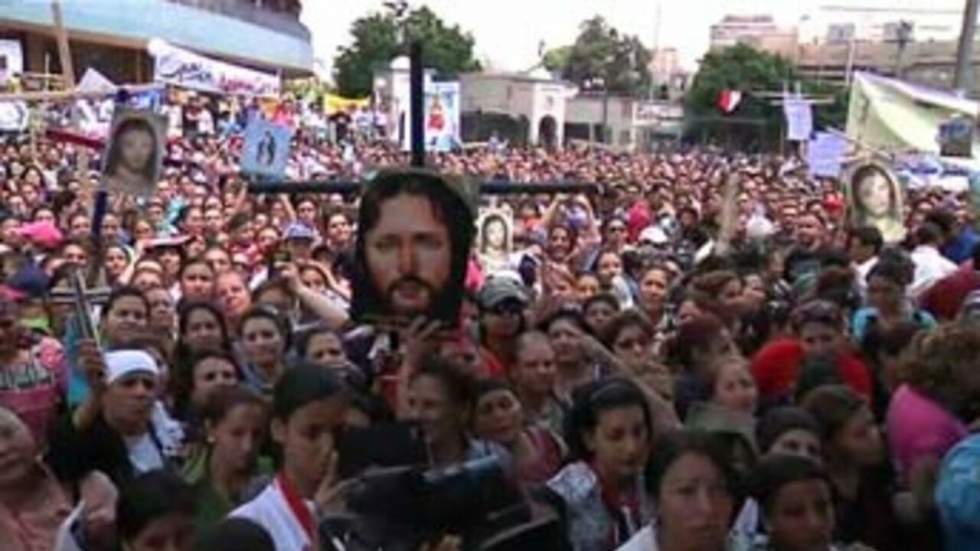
pixel 448 207
pixel 591 400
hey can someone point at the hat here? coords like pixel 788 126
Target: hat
pixel 120 363
pixel 43 234
pixel 29 280
pixel 653 235
pixel 298 230
pixel 499 289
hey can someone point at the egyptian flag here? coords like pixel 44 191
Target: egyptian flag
pixel 728 101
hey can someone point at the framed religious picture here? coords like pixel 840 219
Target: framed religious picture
pixel 133 157
pixel 875 198
pixel 265 151
pixel 495 239
pixel 413 247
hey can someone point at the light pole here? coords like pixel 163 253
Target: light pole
pixel 963 81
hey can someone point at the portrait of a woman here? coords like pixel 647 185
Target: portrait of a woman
pixel 135 153
pixel 495 240
pixel 876 200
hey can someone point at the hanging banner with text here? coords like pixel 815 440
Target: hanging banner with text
pixel 181 67
pixel 799 119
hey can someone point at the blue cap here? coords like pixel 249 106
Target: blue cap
pixel 298 230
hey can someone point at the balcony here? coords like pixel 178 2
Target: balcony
pixel 277 15
pixel 236 30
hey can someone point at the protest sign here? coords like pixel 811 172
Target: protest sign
pixel 134 152
pixel 825 155
pixel 442 116
pixel 266 149
pixel 799 119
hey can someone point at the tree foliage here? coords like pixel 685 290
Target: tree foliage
pixel 756 120
pixel 601 52
pixel 448 50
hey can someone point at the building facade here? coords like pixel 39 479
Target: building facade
pixel 759 31
pixel 631 124
pixel 112 36
pixel 524 108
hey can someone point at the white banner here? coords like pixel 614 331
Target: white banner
pixel 825 155
pixel 11 59
pixel 14 116
pixel 185 68
pixel 799 119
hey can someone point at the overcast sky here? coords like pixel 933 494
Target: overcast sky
pixel 508 32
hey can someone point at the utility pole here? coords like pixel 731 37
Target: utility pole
pixel 963 80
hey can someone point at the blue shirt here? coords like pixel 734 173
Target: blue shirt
pixel 961 249
pixel 958 495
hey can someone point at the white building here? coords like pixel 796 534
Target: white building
pixel 631 123
pixel 524 108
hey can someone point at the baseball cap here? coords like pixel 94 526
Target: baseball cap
pixel 298 230
pixel 500 289
pixel 653 235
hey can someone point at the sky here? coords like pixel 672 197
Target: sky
pixel 508 32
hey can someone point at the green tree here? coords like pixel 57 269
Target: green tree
pixel 448 50
pixel 601 52
pixel 756 122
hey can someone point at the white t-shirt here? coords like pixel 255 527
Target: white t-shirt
pixel 271 511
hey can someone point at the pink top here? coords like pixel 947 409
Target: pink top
pixel 918 427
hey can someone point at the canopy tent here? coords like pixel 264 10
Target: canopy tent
pixel 895 115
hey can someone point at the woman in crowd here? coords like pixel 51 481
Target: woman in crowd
pixel 601 493
pixel 797 503
pixel 441 398
pixel 694 488
pixel 227 471
pixel 653 284
pixel 929 412
pixel 117 261
pixel 535 377
pixel 309 406
pixel 264 339
pixel 163 314
pixel 231 291
pixel 565 328
pixel 196 279
pixel 156 511
pixel 209 371
pixel 888 303
pixel 598 310
pixel 733 387
pixel 112 431
pixel 694 353
pixel 789 430
pixel 819 331
pixel 854 457
pixel 499 418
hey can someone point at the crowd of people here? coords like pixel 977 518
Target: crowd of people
pixel 704 355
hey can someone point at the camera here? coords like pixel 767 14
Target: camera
pixel 399 508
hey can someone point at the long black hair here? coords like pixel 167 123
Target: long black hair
pixel 134 124
pixel 591 400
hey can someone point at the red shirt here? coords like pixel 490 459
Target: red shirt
pixel 944 299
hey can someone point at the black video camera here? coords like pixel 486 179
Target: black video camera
pixel 399 508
